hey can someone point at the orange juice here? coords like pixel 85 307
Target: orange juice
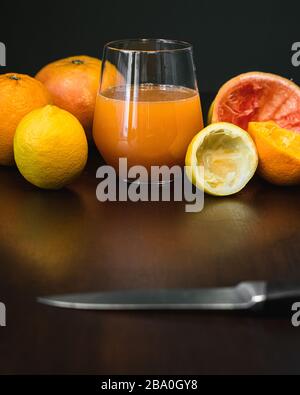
pixel 150 125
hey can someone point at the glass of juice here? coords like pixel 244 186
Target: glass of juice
pixel 148 107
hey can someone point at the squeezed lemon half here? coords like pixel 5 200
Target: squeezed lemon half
pixel 228 156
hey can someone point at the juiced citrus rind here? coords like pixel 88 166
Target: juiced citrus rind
pixel 229 166
pixel 278 151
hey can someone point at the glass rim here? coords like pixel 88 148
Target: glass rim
pixel 181 45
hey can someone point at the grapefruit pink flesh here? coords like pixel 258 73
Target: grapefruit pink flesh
pixel 258 97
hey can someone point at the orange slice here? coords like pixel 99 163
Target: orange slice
pixel 278 151
pixel 258 97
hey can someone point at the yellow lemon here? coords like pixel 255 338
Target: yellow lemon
pixel 50 147
pixel 227 155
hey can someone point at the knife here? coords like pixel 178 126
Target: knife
pixel 245 296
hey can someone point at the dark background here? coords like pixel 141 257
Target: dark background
pixel 229 37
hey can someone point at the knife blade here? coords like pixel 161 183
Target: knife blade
pixel 241 297
pixel 244 296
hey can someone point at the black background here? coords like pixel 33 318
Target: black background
pixel 229 37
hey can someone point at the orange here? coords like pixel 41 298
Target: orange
pixel 278 151
pixel 258 97
pixel 73 83
pixel 19 94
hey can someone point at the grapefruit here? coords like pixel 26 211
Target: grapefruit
pixel 73 83
pixel 258 97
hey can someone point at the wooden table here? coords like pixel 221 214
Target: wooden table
pixel 66 241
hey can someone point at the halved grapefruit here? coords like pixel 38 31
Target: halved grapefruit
pixel 258 97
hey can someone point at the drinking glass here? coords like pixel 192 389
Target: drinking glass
pixel 148 107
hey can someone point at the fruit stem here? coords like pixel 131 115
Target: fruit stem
pixel 77 61
pixel 14 77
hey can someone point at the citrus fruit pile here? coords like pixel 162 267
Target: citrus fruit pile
pixel 255 120
pixel 45 121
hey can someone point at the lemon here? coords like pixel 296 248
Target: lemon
pixel 228 156
pixel 50 147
